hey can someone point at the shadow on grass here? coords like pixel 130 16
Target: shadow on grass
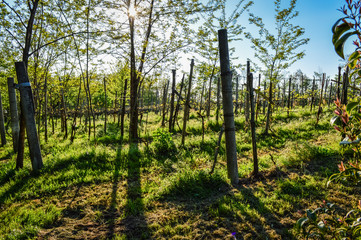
pixel 221 205
pixel 56 175
pixel 135 223
pixel 112 213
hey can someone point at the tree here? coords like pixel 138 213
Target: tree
pixel 280 50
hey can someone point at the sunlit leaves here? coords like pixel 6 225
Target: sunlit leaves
pixel 277 50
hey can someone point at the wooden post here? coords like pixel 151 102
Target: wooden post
pixel 258 96
pixel 13 114
pixel 269 109
pixel 338 83
pixel 236 107
pixel 226 75
pixel 246 100
pixel 2 124
pixel 320 102
pixel 123 107
pixel 329 96
pixel 186 104
pixel 105 106
pixel 27 108
pixel 313 93
pixel 209 94
pixel 218 98
pixel 178 103
pixel 264 100
pixel 289 97
pixel 344 87
pixel 172 102
pixel 253 123
pixel 165 95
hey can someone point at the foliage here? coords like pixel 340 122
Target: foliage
pixel 348 121
pixel 278 51
pixel 326 222
pixel 345 28
pixel 163 143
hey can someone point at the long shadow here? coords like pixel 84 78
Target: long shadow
pixel 135 223
pixel 112 213
pixel 84 162
pixel 271 218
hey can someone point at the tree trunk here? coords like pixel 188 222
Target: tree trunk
pixel 186 104
pixel 226 74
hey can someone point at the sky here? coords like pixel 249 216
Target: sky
pixel 316 17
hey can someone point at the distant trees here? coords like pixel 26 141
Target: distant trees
pixel 277 51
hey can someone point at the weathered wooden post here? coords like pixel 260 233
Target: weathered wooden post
pixel 178 103
pixel 329 96
pixel 164 103
pixel 124 98
pixel 218 98
pixel 236 107
pixel 14 115
pixel 226 75
pixel 289 97
pixel 209 93
pixel 2 124
pixel 320 102
pixel 27 108
pixel 253 123
pixel 186 104
pixel 258 96
pixel 105 106
pixel 338 83
pixel 313 93
pixel 172 102
pixel 269 109
pixel 345 87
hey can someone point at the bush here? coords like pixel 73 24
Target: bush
pixel 163 142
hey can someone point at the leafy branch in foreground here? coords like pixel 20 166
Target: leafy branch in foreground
pixel 328 222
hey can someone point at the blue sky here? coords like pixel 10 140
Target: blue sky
pixel 317 17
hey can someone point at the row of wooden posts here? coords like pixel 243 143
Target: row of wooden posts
pixel 27 116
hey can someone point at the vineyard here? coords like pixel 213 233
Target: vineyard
pixel 135 120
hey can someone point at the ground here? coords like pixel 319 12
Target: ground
pixel 103 188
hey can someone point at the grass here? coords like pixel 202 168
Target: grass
pixel 103 188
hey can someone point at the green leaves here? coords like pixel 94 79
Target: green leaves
pixel 341 34
pixel 351 106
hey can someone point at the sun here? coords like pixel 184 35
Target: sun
pixel 131 11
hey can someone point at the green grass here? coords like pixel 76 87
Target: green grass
pixel 159 189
